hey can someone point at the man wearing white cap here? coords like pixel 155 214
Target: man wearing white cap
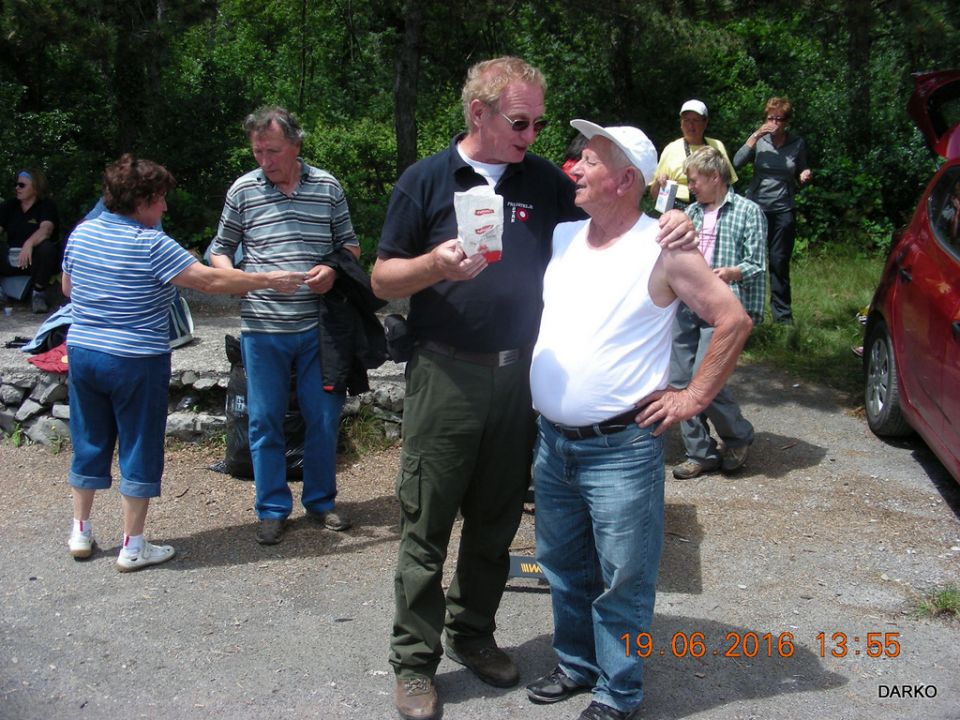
pixel 693 124
pixel 599 378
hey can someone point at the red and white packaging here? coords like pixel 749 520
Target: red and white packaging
pixel 480 222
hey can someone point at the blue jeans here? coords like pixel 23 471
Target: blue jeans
pixel 599 535
pixel 269 359
pixel 114 398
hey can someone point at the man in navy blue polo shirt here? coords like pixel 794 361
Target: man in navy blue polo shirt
pixel 467 422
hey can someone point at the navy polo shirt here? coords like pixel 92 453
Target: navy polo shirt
pixel 500 308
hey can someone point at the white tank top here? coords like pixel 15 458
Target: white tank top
pixel 603 343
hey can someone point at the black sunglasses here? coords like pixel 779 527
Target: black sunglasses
pixel 21 185
pixel 521 125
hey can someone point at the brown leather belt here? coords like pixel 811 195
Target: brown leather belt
pixel 607 427
pixel 497 359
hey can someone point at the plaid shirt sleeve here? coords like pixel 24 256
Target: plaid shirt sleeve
pixel 741 243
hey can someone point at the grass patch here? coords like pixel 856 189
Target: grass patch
pixel 362 433
pixel 828 291
pixel 945 601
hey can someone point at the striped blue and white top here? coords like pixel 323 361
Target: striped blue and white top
pixel 120 275
pixel 283 232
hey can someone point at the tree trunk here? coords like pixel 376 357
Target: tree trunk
pixel 405 85
pixel 859 18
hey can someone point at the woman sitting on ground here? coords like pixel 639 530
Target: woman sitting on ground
pixel 31 223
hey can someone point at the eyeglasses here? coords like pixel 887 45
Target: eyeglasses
pixel 521 125
pixel 776 118
pixel 21 186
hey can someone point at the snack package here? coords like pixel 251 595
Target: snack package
pixel 480 222
pixel 666 196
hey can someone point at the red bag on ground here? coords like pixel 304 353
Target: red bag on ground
pixel 53 360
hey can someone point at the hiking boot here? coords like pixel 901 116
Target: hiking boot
pixel 487 662
pixel 416 698
pixel 81 546
pixel 270 531
pixel 38 303
pixel 149 554
pixel 734 458
pixel 331 519
pixel 692 468
pixel 553 688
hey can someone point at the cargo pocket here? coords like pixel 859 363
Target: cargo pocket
pixel 408 483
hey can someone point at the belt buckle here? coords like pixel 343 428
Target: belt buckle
pixel 507 357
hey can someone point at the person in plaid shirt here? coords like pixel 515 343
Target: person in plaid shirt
pixel 733 233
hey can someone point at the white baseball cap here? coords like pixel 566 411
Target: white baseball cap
pixel 635 145
pixel 694 106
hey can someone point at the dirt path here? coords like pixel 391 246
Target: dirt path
pixel 827 531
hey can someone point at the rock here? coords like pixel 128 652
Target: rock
pixel 352 406
pixel 391 431
pixel 389 397
pixel 11 395
pixel 193 426
pixel 61 411
pixel 382 414
pixel 47 431
pixel 49 390
pixel 29 409
pixel 21 380
pixel 205 384
pixel 7 421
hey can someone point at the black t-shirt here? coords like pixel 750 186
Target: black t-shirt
pixel 500 308
pixel 19 225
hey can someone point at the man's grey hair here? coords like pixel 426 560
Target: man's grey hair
pixel 261 119
pixel 709 161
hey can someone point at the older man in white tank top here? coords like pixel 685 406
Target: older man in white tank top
pixel 599 380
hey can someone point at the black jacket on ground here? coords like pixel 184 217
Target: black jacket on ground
pixel 351 336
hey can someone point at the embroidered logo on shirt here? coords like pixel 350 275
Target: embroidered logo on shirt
pixel 519 212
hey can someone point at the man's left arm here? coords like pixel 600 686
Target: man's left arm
pixel 320 278
pixel 688 277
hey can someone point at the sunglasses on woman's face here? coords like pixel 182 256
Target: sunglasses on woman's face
pixel 521 125
pixel 21 185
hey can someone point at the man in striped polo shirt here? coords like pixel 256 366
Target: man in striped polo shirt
pixel 286 215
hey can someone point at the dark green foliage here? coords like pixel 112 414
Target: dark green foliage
pixel 83 80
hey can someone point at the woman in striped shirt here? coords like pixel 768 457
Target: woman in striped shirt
pixel 119 271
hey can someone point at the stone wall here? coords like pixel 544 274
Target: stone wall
pixel 34 404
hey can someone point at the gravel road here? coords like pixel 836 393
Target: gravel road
pixel 828 530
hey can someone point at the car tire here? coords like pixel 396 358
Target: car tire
pixel 882 386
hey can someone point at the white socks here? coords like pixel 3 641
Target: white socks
pixel 132 545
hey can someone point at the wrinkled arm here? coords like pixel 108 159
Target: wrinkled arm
pixel 685 274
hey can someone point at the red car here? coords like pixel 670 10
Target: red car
pixel 912 339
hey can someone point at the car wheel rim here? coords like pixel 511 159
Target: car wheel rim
pixel 878 380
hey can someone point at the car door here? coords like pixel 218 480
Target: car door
pixel 929 302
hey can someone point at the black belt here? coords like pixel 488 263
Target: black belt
pixel 607 427
pixel 497 359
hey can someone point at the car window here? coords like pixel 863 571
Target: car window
pixel 944 209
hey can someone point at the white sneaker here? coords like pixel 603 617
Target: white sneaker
pixel 149 555
pixel 81 546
